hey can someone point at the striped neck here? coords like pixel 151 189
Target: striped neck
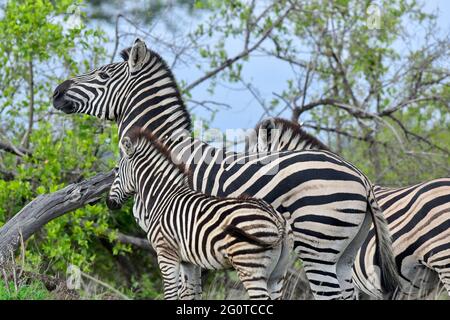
pixel 151 159
pixel 154 173
pixel 153 101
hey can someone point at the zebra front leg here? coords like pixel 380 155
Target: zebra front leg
pixel 169 264
pixel 191 286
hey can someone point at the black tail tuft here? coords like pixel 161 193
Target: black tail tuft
pixel 244 236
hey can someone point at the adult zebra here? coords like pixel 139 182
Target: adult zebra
pixel 329 203
pixel 418 217
pixel 198 230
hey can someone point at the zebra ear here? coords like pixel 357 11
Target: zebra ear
pixel 138 55
pixel 128 146
pixel 269 124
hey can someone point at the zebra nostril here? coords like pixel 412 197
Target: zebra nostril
pixel 56 93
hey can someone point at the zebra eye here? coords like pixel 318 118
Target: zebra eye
pixel 103 75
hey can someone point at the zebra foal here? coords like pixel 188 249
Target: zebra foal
pixel 200 231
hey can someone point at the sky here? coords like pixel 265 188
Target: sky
pixel 266 74
pixel 269 75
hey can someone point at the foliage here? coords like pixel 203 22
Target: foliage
pixel 328 46
pixel 32 291
pixel 358 56
pixel 63 149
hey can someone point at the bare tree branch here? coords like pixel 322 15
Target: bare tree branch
pixel 48 207
pixel 343 133
pixel 26 138
pixel 418 137
pixel 135 241
pixel 205 104
pixel 406 103
pixel 242 54
pixel 18 151
pixel 116 38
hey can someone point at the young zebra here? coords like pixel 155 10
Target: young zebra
pixel 329 203
pixel 189 227
pixel 418 217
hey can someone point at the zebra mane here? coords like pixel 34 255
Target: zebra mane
pixel 296 129
pixel 135 134
pixel 125 54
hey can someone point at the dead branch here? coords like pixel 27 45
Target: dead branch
pixel 26 138
pixel 18 151
pixel 47 207
pixel 244 53
pixel 141 243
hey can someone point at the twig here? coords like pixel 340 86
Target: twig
pixel 104 284
pixel 26 138
pixel 116 42
pixel 239 56
pixel 18 151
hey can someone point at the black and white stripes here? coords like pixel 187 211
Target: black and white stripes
pixel 196 230
pixel 328 202
pixel 418 217
pixel 419 220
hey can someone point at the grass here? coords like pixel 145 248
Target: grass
pixel 21 281
pixel 35 290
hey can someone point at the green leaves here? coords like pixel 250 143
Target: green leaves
pixel 32 27
pixel 65 149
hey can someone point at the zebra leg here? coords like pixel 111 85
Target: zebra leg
pixel 169 265
pixel 344 266
pixel 276 288
pixel 277 278
pixel 445 280
pixel 254 284
pixel 191 286
pixel 323 280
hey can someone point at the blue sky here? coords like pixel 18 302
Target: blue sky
pixel 267 74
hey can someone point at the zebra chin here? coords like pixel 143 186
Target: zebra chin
pixel 64 105
pixel 112 204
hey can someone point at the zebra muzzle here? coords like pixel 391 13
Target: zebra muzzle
pixel 112 204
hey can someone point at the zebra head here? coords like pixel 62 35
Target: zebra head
pixel 101 91
pixel 277 134
pixel 123 186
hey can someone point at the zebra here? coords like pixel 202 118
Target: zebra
pixel 328 202
pixel 277 134
pixel 200 231
pixel 418 217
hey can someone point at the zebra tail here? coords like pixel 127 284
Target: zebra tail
pixel 389 277
pixel 247 237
